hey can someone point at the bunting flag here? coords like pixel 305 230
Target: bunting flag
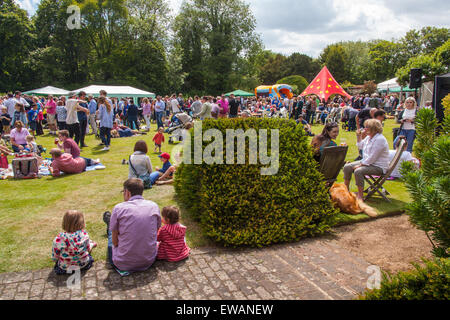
pixel 324 86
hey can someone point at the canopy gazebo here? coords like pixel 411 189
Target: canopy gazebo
pixel 49 90
pixel 240 93
pixel 324 86
pixel 116 91
pixel 392 86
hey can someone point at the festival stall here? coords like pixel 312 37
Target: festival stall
pixel 49 90
pixel 324 86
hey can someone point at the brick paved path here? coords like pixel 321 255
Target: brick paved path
pixel 311 269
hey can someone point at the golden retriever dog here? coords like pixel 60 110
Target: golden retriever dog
pixel 348 202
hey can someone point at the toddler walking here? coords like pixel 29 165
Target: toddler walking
pixel 171 237
pixel 159 139
pixel 71 248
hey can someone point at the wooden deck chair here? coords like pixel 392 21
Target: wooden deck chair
pixel 331 163
pixel 376 184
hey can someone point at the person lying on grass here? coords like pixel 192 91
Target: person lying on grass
pixel 71 248
pixel 164 175
pixel 121 131
pixel 64 162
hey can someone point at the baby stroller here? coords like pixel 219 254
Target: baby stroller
pixel 177 124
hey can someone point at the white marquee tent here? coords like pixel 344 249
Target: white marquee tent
pixel 116 91
pixel 48 90
pixel 389 84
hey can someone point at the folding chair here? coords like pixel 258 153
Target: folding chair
pixel 331 163
pixel 376 184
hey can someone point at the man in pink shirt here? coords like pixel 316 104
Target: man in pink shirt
pixel 64 162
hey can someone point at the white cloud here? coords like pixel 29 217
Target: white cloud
pixel 307 26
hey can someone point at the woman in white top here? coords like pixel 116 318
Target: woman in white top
pixel 140 163
pixel 408 128
pixel 375 156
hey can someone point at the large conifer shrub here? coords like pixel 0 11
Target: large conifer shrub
pixel 237 205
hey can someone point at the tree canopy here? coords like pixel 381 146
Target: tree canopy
pixel 208 47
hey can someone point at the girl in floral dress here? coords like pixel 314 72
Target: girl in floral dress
pixel 71 248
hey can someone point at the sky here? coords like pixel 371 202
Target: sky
pixel 308 26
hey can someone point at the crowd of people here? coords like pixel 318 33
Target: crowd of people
pixel 136 237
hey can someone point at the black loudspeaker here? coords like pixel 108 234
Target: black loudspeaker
pixel 441 89
pixel 415 79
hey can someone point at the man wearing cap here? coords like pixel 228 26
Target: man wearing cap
pixel 166 172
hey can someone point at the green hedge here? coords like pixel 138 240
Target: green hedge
pixel 430 282
pixel 238 206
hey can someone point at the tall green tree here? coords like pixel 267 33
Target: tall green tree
pixel 62 54
pixel 106 24
pixel 431 64
pixel 219 34
pixel 16 40
pixel 358 60
pixel 424 41
pixel 272 70
pixel 337 61
pixel 301 64
pixel 385 59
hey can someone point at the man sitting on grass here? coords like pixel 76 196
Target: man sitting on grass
pixel 164 175
pixel 132 230
pixel 68 145
pixel 66 163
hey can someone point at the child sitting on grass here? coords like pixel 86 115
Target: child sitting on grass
pixel 31 145
pixel 71 248
pixel 171 237
pixel 159 139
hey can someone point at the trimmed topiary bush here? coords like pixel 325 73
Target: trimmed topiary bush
pixel 430 282
pixel 237 205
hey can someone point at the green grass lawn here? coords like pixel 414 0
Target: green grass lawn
pixel 31 211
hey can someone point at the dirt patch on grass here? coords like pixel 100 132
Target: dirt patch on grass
pixel 390 243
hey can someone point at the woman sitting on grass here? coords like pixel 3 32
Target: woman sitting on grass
pixel 140 164
pixel 71 248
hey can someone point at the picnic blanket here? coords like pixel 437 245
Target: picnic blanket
pixel 43 170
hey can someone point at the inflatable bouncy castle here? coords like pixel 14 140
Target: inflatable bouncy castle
pixel 279 91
